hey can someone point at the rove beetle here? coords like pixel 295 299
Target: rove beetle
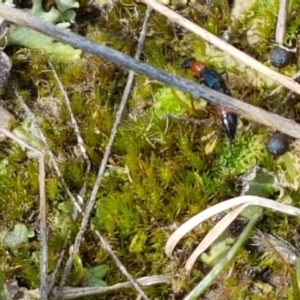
pixel 214 80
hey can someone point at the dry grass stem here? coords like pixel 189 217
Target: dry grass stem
pixel 53 161
pixel 43 229
pixel 74 293
pixel 52 277
pixel 76 129
pixel 294 77
pixel 43 218
pixel 281 22
pixel 283 101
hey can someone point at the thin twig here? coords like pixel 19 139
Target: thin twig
pixel 91 202
pixel 52 277
pixel 76 130
pixel 250 112
pixel 283 101
pixel 294 77
pixel 73 120
pixel 281 22
pixel 43 218
pixel 105 245
pixel 276 90
pixel 69 293
pixel 74 292
pixel 34 121
pixel 43 230
pixel 20 141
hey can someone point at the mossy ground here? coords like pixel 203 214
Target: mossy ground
pixel 160 172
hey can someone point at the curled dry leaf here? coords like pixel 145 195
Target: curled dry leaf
pixel 212 236
pixel 221 207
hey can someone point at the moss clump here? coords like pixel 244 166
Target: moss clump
pixel 160 171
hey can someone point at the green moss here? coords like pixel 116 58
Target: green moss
pixel 161 171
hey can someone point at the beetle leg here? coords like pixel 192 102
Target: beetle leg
pixel 224 72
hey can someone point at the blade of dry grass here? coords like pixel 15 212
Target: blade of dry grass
pixel 220 207
pixel 198 91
